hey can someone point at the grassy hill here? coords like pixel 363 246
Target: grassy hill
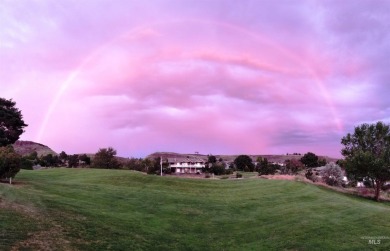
pixel 86 209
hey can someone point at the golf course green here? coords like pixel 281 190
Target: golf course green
pixel 95 209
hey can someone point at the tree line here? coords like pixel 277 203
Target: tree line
pixel 366 156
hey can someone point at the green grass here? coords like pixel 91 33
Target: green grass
pixel 124 210
pixel 246 175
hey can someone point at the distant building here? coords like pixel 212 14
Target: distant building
pixel 190 165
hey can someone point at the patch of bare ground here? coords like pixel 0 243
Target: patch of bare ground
pixel 49 236
pixel 26 210
pixel 45 240
pixel 188 176
pixel 279 177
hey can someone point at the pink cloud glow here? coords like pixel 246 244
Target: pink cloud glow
pixel 212 76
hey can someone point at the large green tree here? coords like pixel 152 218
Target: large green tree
pixel 244 163
pixel 11 122
pixel 105 158
pixel 367 154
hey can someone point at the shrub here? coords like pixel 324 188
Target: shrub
pixel 26 164
pixel 292 166
pixel 218 168
pixel 310 175
pixel 332 174
pixel 268 169
pixel 238 175
pixel 9 162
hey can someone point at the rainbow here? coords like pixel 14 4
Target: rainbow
pixel 72 76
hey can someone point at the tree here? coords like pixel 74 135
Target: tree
pixel 332 174
pixel 322 162
pixel 33 155
pixel 63 157
pixel 155 167
pixel 105 158
pixel 11 122
pixel 310 159
pixel 9 162
pixel 47 160
pixel 136 164
pixel 262 165
pixel 147 164
pixel 85 159
pixel 292 166
pixel 218 168
pixel 211 159
pixel 26 163
pixel 73 160
pixel 266 168
pixel 367 154
pixel 244 163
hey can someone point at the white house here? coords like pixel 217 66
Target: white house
pixel 186 165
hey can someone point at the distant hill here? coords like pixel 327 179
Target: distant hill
pixel 230 158
pixel 28 147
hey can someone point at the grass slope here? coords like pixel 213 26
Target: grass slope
pixel 85 209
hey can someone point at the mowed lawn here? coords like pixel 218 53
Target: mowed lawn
pixel 86 209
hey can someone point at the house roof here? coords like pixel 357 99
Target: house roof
pixel 183 159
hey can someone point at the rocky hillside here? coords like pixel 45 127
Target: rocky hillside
pixel 28 147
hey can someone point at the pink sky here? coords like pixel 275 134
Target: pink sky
pixel 219 77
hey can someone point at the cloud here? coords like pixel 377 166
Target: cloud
pixel 213 76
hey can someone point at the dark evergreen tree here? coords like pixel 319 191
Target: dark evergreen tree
pixel 73 160
pixel 244 163
pixel 310 159
pixel 11 122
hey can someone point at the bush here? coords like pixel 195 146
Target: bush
pixel 269 169
pixel 310 175
pixel 228 171
pixel 26 164
pixel 292 166
pixel 218 168
pixel 238 175
pixel 9 162
pixel 332 174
